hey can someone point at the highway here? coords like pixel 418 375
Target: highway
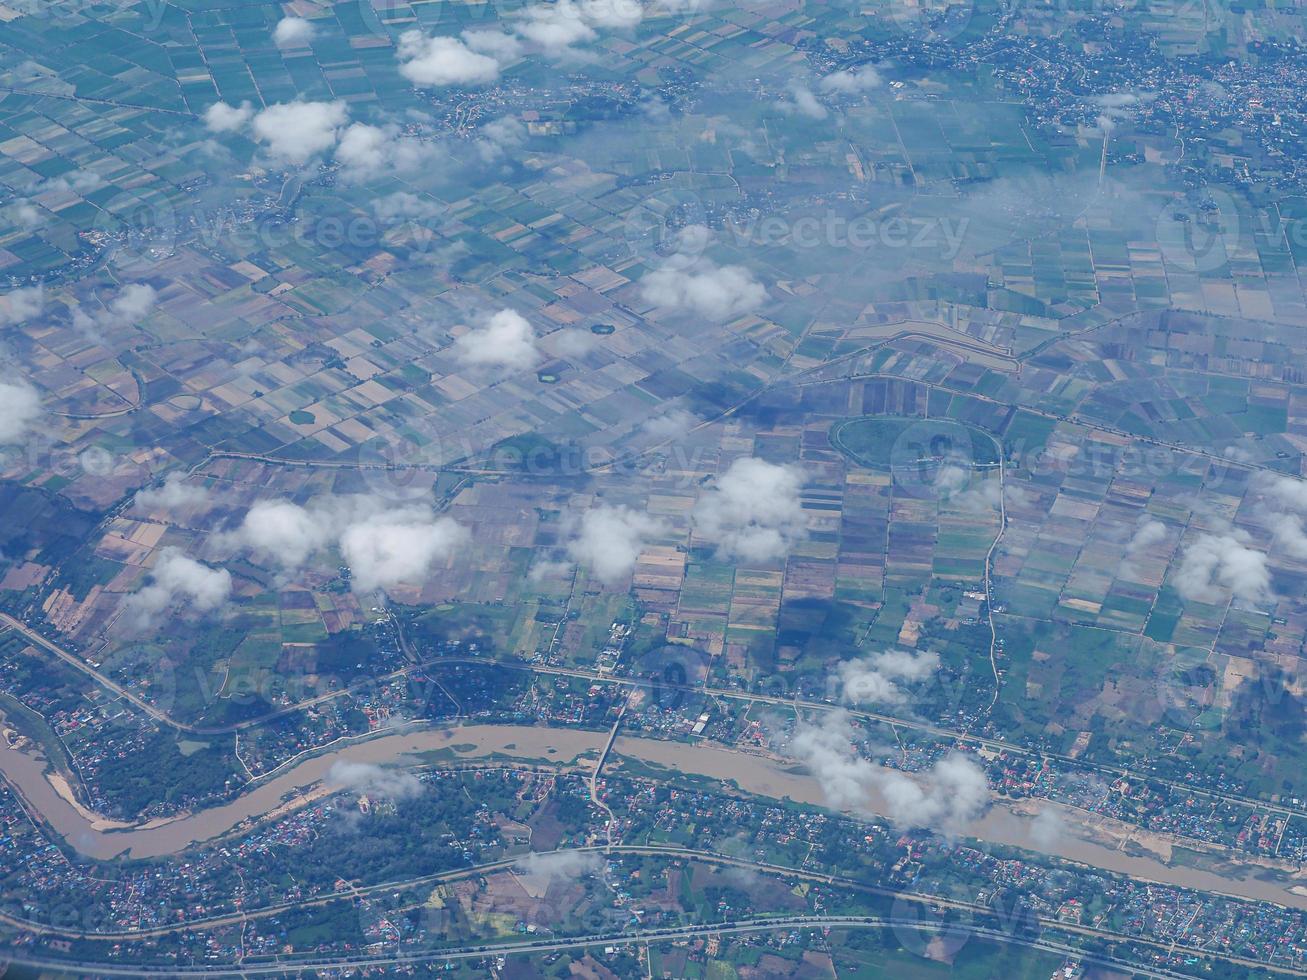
pixel 1005 934
pixel 595 677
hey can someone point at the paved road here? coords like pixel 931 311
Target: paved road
pixel 758 924
pixel 599 678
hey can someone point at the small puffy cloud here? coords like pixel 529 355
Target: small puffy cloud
pixel 573 342
pixel 370 152
pixel 803 101
pixel 953 481
pixel 549 866
pixel 504 340
pixel 671 424
pixel 223 118
pixel 20 305
pixel 296 132
pixel 282 533
pixel 1215 566
pixel 502 47
pixel 23 214
pixel 703 288
pixel 610 540
pixel 438 61
pixel 542 570
pixel 77 182
pixel 1282 508
pixel 754 511
pixel 851 81
pixel 875 679
pixel 383 546
pixel 175 493
pixel 374 780
pixel 944 798
pixel 555 28
pixel 1117 106
pixel 398 547
pixel 177 579
pixel 401 206
pixel 614 14
pixel 1047 829
pixel 20 407
pixel 1148 531
pixel 500 136
pixel 132 304
pixel 292 32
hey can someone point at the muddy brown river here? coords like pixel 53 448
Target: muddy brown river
pixel 1088 841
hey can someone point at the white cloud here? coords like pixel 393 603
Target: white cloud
pixel 704 288
pixel 132 304
pixel 24 215
pixel 437 61
pixel 671 424
pixel 803 101
pixel 401 205
pixel 20 305
pixel 368 152
pixel 365 777
pixel 502 47
pixel 549 569
pixel 851 81
pixel 616 14
pixel 573 342
pixel 293 32
pixel 477 57
pixel 284 534
pixel 945 797
pixel 173 494
pixel 499 136
pixel 20 407
pixel 383 546
pixel 503 340
pixel 610 541
pixel 223 118
pixel 296 132
pixel 1148 532
pixel 1047 829
pixel 555 27
pixel 874 679
pixel 177 579
pixel 1283 506
pixel 550 866
pixel 1218 565
pixel 77 182
pixel 398 547
pixel 754 512
pixel 953 481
